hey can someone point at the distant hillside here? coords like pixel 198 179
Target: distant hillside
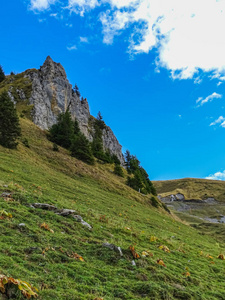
pixel 192 188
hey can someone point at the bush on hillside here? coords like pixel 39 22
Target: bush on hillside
pixel 140 180
pixel 118 170
pixel 9 122
pixel 81 149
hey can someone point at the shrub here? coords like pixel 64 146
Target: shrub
pixel 154 202
pixel 118 170
pixel 25 142
pixel 9 122
pixel 81 149
pixel 55 147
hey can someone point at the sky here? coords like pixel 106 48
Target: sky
pixel 154 68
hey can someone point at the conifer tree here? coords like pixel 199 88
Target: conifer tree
pixel 81 149
pixel 62 133
pixel 2 74
pixel 76 90
pixel 9 122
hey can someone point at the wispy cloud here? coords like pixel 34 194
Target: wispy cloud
pixel 186 38
pixel 84 39
pixel 220 120
pixel 217 176
pixel 70 48
pixel 41 4
pixel 201 101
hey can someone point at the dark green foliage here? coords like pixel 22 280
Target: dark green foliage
pixel 136 181
pixel 76 90
pixel 76 127
pixel 9 122
pixel 66 133
pixel 140 180
pixel 81 149
pixel 2 74
pixel 154 202
pixel 62 133
pixel 115 159
pixel 25 142
pixel 118 170
pixel 97 144
pixel 55 147
pixel 99 121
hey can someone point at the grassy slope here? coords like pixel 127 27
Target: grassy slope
pixel 118 215
pixel 192 188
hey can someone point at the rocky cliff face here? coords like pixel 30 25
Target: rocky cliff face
pixel 52 94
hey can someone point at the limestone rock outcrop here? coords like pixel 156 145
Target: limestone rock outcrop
pixel 52 94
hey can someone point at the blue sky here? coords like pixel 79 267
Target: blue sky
pixel 154 68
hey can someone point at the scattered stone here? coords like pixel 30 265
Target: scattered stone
pixel 6 186
pixel 44 206
pixel 66 212
pixel 113 247
pixel 80 219
pixel 61 212
pixel 133 263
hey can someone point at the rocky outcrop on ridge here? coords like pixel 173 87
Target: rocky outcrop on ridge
pixel 52 94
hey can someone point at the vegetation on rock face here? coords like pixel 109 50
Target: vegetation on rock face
pixel 76 90
pixel 140 180
pixel 67 134
pixel 9 122
pixel 2 74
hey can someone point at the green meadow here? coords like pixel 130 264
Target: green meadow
pixel 64 259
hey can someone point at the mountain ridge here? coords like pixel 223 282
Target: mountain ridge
pixel 48 93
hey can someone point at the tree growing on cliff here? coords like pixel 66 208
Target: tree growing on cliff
pixel 76 90
pixel 9 122
pixel 62 132
pixel 66 133
pixel 2 74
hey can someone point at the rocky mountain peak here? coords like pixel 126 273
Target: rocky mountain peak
pixel 51 69
pixel 52 94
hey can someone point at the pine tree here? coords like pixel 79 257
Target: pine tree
pixel 2 74
pixel 76 127
pixel 76 90
pixel 81 149
pixel 9 122
pixel 62 133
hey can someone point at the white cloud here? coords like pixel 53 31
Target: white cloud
pixel 80 6
pixel 210 98
pixel 188 34
pixel 84 39
pixel 220 120
pixel 41 4
pixel 217 176
pixel 74 47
